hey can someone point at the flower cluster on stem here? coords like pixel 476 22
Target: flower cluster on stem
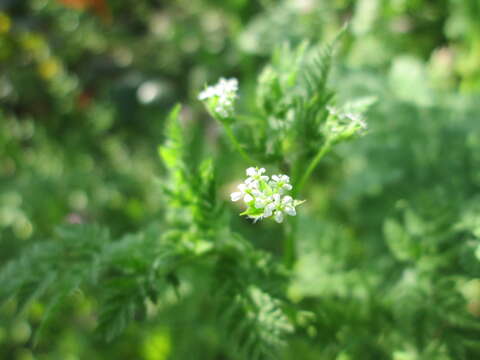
pixel 345 123
pixel 265 196
pixel 220 98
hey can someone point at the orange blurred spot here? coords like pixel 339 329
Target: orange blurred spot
pixel 76 4
pixel 84 100
pixel 99 7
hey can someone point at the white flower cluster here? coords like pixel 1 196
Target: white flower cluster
pixel 265 196
pixel 220 98
pixel 347 119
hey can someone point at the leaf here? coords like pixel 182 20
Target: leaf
pixel 255 321
pixel 399 241
pixel 172 151
pixel 121 300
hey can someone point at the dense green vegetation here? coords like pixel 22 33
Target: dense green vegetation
pixel 118 237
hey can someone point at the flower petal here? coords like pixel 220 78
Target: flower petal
pixel 236 196
pixel 267 212
pixel 248 198
pixel 276 198
pixel 287 199
pixel 259 203
pixel 256 192
pixel 278 216
pixel 251 171
pixel 290 210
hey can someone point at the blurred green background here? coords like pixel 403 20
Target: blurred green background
pixel 392 221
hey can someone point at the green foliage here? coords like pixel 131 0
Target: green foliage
pixel 292 95
pixel 134 270
pixel 382 260
pixel 245 283
pixel 191 187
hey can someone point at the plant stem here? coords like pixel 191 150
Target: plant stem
pixel 313 164
pixel 289 245
pixel 289 250
pixel 236 144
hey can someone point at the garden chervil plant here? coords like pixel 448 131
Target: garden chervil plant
pixel 295 123
pixel 291 128
pixel 265 197
pixel 380 263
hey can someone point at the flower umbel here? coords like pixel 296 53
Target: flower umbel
pixel 348 120
pixel 265 196
pixel 220 98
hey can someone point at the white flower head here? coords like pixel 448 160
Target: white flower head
pixel 255 176
pixel 266 197
pixel 281 182
pixel 220 98
pixel 348 120
pixel 244 192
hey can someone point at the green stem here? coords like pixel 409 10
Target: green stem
pixel 289 246
pixel 313 164
pixel 289 250
pixel 236 144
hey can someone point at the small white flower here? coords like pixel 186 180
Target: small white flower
pixel 256 173
pixel 255 177
pixel 282 182
pixel 290 210
pixel 236 196
pixel 248 198
pixel 277 199
pixel 267 212
pixel 251 183
pixel 283 178
pixel 289 205
pixel 244 192
pixel 287 200
pixel 279 216
pixel 208 93
pixel 251 171
pixel 346 121
pixel 265 197
pixel 220 98
pixel 260 203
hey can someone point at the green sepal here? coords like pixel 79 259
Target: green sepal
pixel 252 211
pixel 298 202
